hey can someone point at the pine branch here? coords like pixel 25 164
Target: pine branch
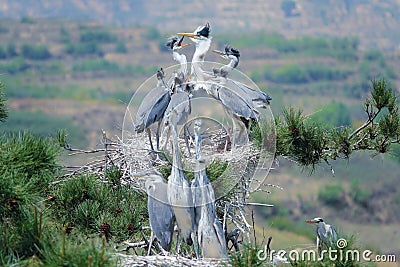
pixel 308 143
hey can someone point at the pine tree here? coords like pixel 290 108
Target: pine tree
pixel 3 108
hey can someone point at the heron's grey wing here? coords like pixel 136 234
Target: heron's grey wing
pixel 254 94
pixel 156 101
pixel 237 104
pixel 197 201
pixel 219 232
pixel 161 216
pixel 180 102
pixel 158 109
pixel 321 232
pixel 333 234
pixel 209 74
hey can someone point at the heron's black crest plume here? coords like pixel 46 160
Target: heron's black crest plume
pixel 231 51
pixel 160 74
pixel 205 31
pixel 171 41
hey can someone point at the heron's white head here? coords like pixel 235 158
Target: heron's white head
pixel 229 53
pixel 201 33
pixel 316 220
pixel 176 43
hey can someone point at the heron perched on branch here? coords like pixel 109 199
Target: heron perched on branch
pixel 179 191
pixel 259 98
pixel 326 234
pixel 155 103
pixel 211 236
pixel 161 216
pixel 152 108
pixel 180 104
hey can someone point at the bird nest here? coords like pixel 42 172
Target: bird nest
pixel 132 155
pixel 157 260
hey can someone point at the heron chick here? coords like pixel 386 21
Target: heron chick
pixel 161 216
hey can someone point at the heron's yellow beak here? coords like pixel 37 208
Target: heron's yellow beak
pixel 310 221
pixel 188 34
pixel 185 45
pixel 219 52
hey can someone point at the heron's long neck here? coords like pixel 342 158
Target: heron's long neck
pixel 226 69
pixel 176 159
pixel 233 63
pixel 182 60
pixel 197 141
pixel 201 50
pixel 198 58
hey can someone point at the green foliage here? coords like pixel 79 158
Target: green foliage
pixel 358 194
pixel 87 48
pixel 11 50
pixel 36 52
pixel 339 48
pixel 246 257
pixel 347 260
pixel 375 55
pixel 92 206
pixel 309 143
pixel 27 165
pixel 294 74
pixel 300 139
pixel 3 107
pixel 96 65
pixel 3 53
pixel 76 251
pixel 34 158
pixel 283 223
pixel 152 34
pixel 332 195
pixel 97 36
pixel 120 47
pixel 16 65
pixel 27 20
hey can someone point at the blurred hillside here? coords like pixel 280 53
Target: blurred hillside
pixel 80 75
pixel 374 22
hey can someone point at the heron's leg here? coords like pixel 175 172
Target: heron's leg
pixel 150 243
pixel 149 134
pixel 178 242
pixel 233 134
pixel 186 136
pixel 158 135
pixel 195 244
pixel 166 132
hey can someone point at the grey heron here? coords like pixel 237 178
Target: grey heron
pixel 211 238
pixel 238 106
pixel 179 191
pixel 175 43
pixel 180 103
pixel 152 108
pixel 161 216
pixel 259 98
pixel 326 234
pixel 201 37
